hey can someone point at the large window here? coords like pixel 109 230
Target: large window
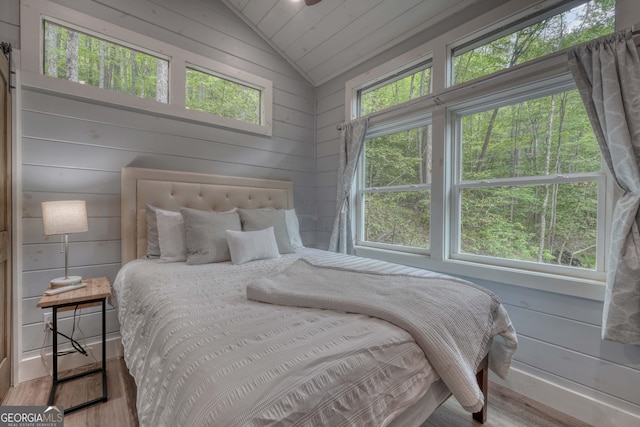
pixel 502 176
pixel 528 182
pixel 395 200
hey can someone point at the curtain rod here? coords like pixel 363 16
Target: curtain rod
pixel 635 30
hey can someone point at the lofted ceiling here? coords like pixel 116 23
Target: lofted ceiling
pixel 324 40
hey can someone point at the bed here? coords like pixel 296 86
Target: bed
pixel 202 353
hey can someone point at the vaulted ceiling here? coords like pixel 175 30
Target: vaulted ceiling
pixel 324 40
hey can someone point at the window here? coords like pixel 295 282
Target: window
pixel 395 200
pixel 86 58
pixel 547 34
pixel 528 182
pixel 501 179
pixel 73 55
pixel 397 89
pixel 225 98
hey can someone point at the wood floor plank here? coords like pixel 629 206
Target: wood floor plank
pixel 506 409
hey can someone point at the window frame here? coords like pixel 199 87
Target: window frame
pixel 33 14
pixel 524 93
pixel 361 191
pixel 443 104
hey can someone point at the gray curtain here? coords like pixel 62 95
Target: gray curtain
pixel 607 73
pixel 353 134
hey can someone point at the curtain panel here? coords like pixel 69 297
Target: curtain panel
pixel 353 134
pixel 607 74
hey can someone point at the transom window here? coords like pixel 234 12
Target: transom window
pixel 85 57
pixel 78 57
pixel 225 98
pixel 532 38
pixel 396 89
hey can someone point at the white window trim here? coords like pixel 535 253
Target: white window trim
pixel 34 11
pixel 440 104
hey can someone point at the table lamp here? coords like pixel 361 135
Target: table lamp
pixel 63 217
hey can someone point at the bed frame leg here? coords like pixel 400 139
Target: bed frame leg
pixel 483 381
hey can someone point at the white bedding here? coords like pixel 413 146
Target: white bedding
pixel 202 354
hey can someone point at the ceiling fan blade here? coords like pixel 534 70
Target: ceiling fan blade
pixel 311 2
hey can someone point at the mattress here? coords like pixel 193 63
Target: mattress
pixel 203 355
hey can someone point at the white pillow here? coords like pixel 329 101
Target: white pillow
pixel 172 237
pixel 246 246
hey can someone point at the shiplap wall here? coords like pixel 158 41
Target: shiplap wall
pixel 559 335
pixel 76 149
pixel 10 22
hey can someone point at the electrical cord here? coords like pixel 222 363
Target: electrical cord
pixel 78 348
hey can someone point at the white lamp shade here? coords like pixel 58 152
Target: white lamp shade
pixel 64 217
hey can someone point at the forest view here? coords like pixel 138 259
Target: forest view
pixel 545 139
pixel 82 58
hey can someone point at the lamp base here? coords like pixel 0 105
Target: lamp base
pixel 65 281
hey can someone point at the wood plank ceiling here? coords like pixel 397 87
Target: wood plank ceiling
pixel 329 38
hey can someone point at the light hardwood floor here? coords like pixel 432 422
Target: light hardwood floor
pixel 506 409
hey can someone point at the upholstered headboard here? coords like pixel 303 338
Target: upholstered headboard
pixel 172 190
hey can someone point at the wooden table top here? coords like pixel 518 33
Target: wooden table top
pixel 98 287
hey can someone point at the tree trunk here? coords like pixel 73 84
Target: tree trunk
pixel 487 139
pixel 102 49
pixel 545 200
pixel 162 75
pixel 72 56
pixel 554 195
pixel 51 50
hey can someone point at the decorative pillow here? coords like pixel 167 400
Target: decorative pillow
pixel 293 228
pixel 246 246
pixel 258 219
pixel 171 236
pixel 206 240
pixel 153 247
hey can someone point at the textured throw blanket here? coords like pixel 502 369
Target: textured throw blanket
pixel 451 320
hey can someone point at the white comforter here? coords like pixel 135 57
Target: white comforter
pixel 202 354
pixel 451 320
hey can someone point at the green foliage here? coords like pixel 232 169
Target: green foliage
pixel 398 218
pixel 396 92
pixel 546 136
pixel 104 64
pixel 79 57
pixel 580 24
pixel 211 94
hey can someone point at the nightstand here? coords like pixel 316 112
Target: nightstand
pixel 94 294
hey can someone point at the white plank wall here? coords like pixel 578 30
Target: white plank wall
pixel 76 149
pixel 559 335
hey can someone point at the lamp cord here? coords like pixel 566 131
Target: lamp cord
pixel 75 344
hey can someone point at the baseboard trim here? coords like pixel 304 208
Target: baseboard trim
pixel 585 404
pixel 33 367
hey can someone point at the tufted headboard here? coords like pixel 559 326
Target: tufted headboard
pixel 172 190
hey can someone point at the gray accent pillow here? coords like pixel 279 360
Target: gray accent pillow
pixel 258 219
pixel 293 227
pixel 206 238
pixel 153 244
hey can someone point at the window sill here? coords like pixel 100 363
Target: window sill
pixel 94 95
pixel 578 287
